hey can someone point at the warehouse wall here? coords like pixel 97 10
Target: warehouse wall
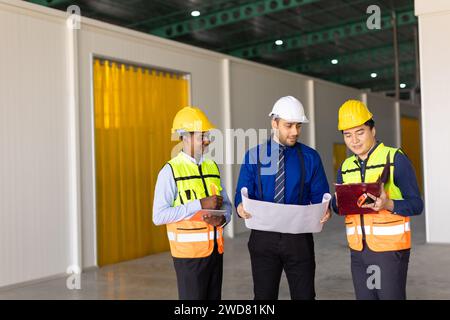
pixel 39 140
pixel 410 110
pixel 434 23
pixel 34 166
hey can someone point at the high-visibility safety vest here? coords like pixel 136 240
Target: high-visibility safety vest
pixel 383 231
pixel 194 238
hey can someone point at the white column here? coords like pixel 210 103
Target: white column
pixel 311 114
pixel 228 173
pixel 74 146
pixel 398 130
pixel 434 46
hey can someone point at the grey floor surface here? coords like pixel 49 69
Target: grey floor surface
pixel 153 277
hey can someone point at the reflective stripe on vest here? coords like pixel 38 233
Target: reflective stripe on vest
pixel 194 238
pixel 383 230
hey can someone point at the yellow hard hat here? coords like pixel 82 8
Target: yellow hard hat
pixel 191 119
pixel 353 113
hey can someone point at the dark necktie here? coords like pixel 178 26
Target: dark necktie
pixel 279 179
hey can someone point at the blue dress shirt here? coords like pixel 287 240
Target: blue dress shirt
pixel 315 181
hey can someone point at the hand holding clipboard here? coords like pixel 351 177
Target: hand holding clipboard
pixel 216 216
pixel 365 198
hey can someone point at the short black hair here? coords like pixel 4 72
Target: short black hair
pixel 370 123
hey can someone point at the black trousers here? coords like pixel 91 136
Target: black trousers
pixel 273 252
pixel 393 270
pixel 200 278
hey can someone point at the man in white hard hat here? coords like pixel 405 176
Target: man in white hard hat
pixel 298 178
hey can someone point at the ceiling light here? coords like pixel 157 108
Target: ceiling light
pixel 279 42
pixel 334 61
pixel 195 13
pixel 402 85
pixel 373 75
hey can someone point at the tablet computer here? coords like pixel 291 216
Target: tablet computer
pixel 198 216
pixel 213 212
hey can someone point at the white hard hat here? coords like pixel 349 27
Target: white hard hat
pixel 290 109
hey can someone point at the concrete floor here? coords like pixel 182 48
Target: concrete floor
pixel 153 277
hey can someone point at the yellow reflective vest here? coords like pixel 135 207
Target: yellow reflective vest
pixel 383 230
pixel 194 238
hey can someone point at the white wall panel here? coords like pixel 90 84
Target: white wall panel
pixel 434 44
pixel 33 140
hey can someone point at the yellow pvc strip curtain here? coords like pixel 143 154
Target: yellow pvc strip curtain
pixel 410 130
pixel 134 109
pixel 339 155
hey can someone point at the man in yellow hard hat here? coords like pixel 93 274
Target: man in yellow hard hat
pixel 187 187
pixel 379 242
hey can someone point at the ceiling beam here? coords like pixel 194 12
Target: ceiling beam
pixel 406 68
pixel 385 86
pixel 175 15
pixel 319 37
pixel 227 16
pixel 351 58
pixel 291 19
pixel 50 3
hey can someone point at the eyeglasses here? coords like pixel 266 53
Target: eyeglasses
pixel 204 135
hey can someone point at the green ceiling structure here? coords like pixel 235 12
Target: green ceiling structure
pixel 313 33
pixel 50 3
pixel 323 36
pixel 227 16
pixel 351 58
pixel 406 69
